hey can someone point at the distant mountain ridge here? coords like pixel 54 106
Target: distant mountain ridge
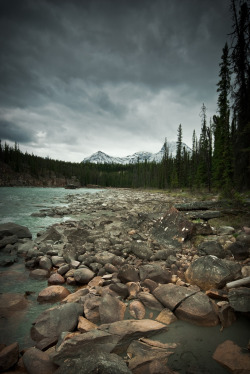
pixel 102 158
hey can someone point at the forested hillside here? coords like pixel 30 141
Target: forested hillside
pixel 220 157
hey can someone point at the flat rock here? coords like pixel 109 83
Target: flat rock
pixel 212 272
pixel 9 356
pixel 53 321
pixel 231 356
pixel 39 274
pixel 166 316
pixel 52 294
pixel 38 362
pixel 84 325
pixel 141 250
pixel 171 295
pixel 129 330
pixel 76 297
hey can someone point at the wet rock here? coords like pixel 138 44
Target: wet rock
pixel 211 247
pixel 171 295
pixel 137 309
pixel 39 274
pixel 93 340
pixel 83 275
pixel 212 272
pixel 173 228
pixel 198 310
pixel 133 289
pixel 10 228
pixel 84 325
pixel 53 321
pixel 45 263
pixel 163 254
pixel 149 301
pixel 149 356
pixel 38 362
pixel 166 316
pixel 52 294
pixel 230 356
pixel 95 362
pixel 7 260
pixel 111 309
pixel 56 279
pixel 9 356
pixel 12 302
pixel 128 273
pixel 226 315
pixel 239 299
pixel 11 239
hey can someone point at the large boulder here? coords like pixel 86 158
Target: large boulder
pixel 53 294
pixel 111 309
pixel 10 228
pixel 231 357
pixel 38 362
pixel 198 310
pixel 91 307
pixel 11 239
pixel 150 301
pixel 239 299
pixel 52 322
pixel 9 356
pixel 154 272
pixel 173 228
pixel 212 272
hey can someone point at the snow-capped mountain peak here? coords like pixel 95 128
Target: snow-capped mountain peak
pixel 102 158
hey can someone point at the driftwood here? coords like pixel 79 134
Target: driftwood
pixel 238 283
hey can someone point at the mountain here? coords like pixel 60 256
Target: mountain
pixel 102 158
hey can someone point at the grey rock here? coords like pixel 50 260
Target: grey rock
pixel 83 275
pixel 239 299
pixel 111 309
pixel 128 273
pixel 150 301
pixel 9 356
pixel 52 322
pixel 10 228
pixel 211 247
pixel 171 295
pixel 154 272
pixel 45 263
pixel 141 250
pixel 11 239
pixel 38 362
pixel 209 272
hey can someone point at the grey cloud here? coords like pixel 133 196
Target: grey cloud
pixel 13 132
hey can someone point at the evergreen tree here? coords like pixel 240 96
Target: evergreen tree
pixel 179 165
pixel 240 58
pixel 222 157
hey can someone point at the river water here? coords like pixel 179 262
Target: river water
pixel 195 344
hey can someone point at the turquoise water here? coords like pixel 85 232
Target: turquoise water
pixel 18 203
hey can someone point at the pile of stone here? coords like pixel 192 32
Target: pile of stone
pixel 136 271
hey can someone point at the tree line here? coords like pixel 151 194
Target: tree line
pixel 220 157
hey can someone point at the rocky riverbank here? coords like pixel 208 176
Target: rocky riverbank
pixel 139 262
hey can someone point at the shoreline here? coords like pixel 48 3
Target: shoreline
pixel 120 253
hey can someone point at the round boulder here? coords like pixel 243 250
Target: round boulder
pixel 56 279
pixel 83 275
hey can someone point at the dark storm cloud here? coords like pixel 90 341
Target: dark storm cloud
pixel 108 64
pixel 13 132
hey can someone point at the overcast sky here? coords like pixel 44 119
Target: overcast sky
pixel 78 76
